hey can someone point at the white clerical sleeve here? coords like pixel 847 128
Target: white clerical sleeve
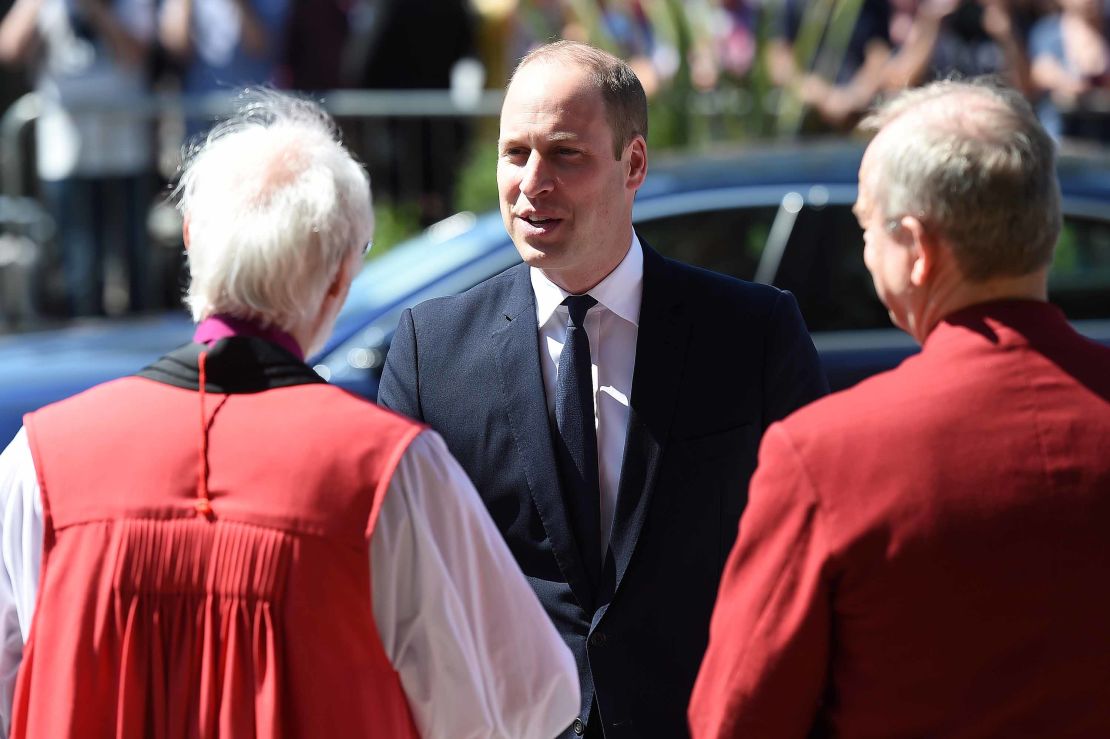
pixel 476 653
pixel 20 557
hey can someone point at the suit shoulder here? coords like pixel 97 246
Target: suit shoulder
pixel 712 294
pixel 712 285
pixel 490 294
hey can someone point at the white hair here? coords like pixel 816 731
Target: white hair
pixel 273 204
pixel 978 167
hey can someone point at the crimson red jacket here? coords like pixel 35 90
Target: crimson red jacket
pixel 927 554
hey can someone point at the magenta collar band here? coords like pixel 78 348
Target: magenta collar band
pixel 222 326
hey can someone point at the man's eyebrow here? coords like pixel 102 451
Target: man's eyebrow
pixel 558 137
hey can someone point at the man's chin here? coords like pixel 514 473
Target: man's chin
pixel 535 254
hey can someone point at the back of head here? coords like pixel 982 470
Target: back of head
pixel 977 167
pixel 625 100
pixel 273 202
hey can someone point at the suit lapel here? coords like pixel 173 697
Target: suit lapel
pixel 516 345
pixel 660 354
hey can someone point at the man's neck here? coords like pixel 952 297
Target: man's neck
pixel 959 294
pixel 577 282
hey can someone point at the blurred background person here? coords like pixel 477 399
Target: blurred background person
pixel 14 82
pixel 222 45
pixel 90 61
pixel 735 38
pixel 964 38
pixel 189 552
pixel 828 57
pixel 316 38
pixel 1070 54
pixel 413 45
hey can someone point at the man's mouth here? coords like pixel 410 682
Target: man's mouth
pixel 539 224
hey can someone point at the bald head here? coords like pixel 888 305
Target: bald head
pixel 620 88
pixel 971 161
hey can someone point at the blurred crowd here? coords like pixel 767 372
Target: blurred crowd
pixel 829 60
pixel 100 155
pixel 813 66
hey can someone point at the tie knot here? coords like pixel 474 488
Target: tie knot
pixel 578 306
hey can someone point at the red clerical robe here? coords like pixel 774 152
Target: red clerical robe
pixel 927 554
pixel 242 610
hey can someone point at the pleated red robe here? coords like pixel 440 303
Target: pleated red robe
pixel 250 615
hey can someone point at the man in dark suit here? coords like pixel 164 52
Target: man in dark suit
pixel 926 554
pixel 607 402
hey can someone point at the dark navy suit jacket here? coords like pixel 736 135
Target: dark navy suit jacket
pixel 717 361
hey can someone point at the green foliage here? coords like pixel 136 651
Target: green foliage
pixel 394 222
pixel 476 189
pixel 1066 258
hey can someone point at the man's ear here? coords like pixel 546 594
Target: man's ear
pixel 637 162
pixel 925 248
pixel 185 230
pixel 343 275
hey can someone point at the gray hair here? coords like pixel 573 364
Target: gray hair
pixel 625 100
pixel 274 203
pixel 979 168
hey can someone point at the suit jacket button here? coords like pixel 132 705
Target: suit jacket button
pixel 578 726
pixel 597 639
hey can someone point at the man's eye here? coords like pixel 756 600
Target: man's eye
pixel 513 152
pixel 567 152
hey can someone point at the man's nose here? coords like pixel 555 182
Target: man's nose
pixel 536 178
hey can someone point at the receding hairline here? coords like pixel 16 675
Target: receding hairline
pixel 625 113
pixel 582 55
pixel 950 106
pixel 971 158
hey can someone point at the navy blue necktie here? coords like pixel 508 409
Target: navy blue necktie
pixel 576 445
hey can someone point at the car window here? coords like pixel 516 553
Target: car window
pixel 823 267
pixel 729 240
pixel 1080 278
pixel 822 263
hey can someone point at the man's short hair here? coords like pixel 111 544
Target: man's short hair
pixel 625 101
pixel 274 203
pixel 978 168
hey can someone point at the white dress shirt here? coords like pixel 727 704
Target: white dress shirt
pixel 476 653
pixel 612 326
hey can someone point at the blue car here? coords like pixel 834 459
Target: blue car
pixel 780 215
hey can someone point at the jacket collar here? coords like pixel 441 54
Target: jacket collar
pixel 235 365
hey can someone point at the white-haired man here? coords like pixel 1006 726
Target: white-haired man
pixel 224 545
pixel 925 555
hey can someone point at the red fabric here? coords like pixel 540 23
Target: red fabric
pixel 154 621
pixel 927 554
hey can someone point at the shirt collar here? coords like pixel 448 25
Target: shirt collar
pixel 223 326
pixel 620 291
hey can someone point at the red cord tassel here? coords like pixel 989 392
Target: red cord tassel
pixel 203 503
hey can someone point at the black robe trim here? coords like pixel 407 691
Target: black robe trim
pixel 236 365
